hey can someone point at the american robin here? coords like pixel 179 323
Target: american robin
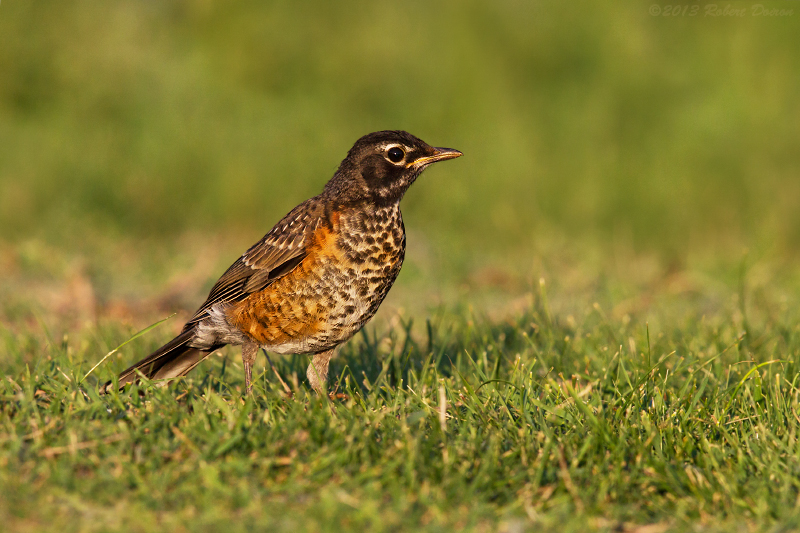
pixel 318 276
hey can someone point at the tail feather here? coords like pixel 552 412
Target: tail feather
pixel 174 359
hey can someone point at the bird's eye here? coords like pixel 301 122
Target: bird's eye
pixel 395 154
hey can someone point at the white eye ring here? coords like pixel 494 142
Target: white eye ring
pixel 395 154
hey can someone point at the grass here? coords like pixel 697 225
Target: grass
pixel 586 422
pixel 644 166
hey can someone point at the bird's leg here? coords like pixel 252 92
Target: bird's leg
pixel 249 352
pixel 317 372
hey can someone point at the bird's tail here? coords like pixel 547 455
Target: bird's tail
pixel 174 359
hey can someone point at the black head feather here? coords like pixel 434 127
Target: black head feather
pixel 381 166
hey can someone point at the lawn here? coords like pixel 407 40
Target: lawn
pixel 597 326
pixel 565 422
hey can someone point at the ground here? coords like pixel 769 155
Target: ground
pixel 673 409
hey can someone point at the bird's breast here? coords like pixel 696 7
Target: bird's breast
pixel 350 267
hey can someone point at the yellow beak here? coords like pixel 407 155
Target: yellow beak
pixel 440 155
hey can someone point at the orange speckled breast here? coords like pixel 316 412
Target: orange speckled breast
pixel 325 300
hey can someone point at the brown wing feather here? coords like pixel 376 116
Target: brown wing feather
pixel 274 256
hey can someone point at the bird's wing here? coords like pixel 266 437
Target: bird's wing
pixel 274 256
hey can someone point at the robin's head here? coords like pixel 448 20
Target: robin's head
pixel 381 166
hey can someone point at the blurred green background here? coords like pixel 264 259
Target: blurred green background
pixel 145 141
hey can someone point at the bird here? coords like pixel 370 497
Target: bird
pixel 317 277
